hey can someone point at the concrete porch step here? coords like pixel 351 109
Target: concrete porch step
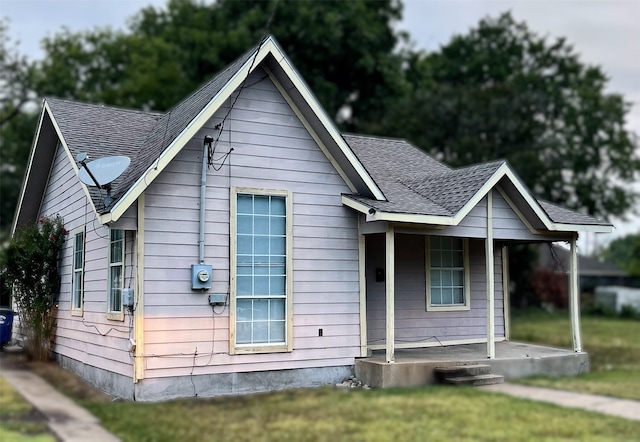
pixel 454 371
pixel 480 379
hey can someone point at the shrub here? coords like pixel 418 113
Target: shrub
pixel 30 266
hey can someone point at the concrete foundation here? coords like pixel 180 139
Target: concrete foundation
pixel 111 383
pixel 238 383
pixel 415 367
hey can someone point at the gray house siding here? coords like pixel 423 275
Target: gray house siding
pixel 272 150
pixel 414 325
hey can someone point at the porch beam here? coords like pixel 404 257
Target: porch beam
pixel 574 295
pixel 491 347
pixel 390 295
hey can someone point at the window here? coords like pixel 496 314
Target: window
pixel 77 277
pixel 447 273
pixel 116 274
pixel 261 301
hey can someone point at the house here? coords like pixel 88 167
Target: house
pixel 251 246
pixel 553 266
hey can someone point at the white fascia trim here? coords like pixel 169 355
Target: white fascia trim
pixel 72 160
pixel 26 178
pixel 183 138
pixel 583 228
pixel 396 217
pixel 47 110
pixel 329 125
pixel 312 132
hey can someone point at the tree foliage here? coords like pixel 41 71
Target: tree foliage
pixel 30 267
pixel 502 91
pixel 625 253
pixel 15 77
pixel 499 91
pixel 344 50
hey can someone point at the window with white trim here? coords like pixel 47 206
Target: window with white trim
pixel 261 291
pixel 447 273
pixel 77 277
pixel 116 274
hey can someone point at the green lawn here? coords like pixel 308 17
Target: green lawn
pixel 431 413
pixel 613 346
pixel 18 420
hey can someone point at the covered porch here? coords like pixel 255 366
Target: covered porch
pixel 414 367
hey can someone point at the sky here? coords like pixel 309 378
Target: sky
pixel 604 32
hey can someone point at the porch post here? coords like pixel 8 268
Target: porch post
pixel 363 290
pixel 389 289
pixel 574 296
pixel 491 348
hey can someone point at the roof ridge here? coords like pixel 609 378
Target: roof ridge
pixel 104 106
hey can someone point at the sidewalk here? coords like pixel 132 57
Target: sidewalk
pixel 68 421
pixel 625 408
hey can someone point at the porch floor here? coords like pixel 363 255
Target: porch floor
pixel 414 367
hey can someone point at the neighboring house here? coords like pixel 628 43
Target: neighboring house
pixel 323 246
pixel 591 272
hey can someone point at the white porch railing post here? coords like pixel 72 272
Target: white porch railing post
pixel 389 289
pixel 491 346
pixel 574 296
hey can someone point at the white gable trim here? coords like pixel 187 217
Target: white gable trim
pixel 26 179
pixel 46 111
pixel 312 132
pixel 268 47
pixel 503 171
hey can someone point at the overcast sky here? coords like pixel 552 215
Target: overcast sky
pixel 604 32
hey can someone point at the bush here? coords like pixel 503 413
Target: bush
pixel 30 267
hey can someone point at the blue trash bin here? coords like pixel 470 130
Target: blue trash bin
pixel 6 324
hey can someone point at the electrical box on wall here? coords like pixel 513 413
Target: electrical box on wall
pixel 217 298
pixel 201 276
pixel 127 297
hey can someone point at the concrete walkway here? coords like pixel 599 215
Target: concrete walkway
pixel 625 408
pixel 68 421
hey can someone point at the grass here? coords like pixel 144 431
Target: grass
pixel 433 413
pixel 429 413
pixel 19 421
pixel 612 344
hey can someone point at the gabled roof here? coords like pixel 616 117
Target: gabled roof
pixel 390 179
pixel 152 140
pixel 420 189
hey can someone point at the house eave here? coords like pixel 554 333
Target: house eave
pixel 269 47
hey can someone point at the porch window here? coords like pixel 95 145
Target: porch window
pixel 447 272
pixel 116 274
pixel 77 276
pixel 261 292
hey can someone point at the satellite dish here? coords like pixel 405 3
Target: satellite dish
pixel 104 170
pixel 101 172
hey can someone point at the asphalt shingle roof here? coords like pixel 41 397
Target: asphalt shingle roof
pixel 411 181
pixel 142 136
pixel 415 183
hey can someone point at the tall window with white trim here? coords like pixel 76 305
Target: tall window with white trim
pixel 116 272
pixel 447 273
pixel 77 290
pixel 261 270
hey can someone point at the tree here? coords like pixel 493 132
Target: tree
pixel 30 266
pixel 344 50
pixel 15 76
pixel 501 91
pixel 625 253
pixel 17 123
